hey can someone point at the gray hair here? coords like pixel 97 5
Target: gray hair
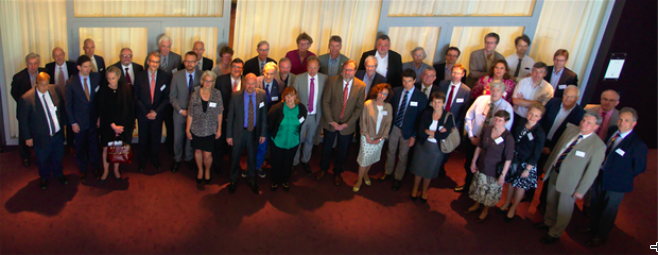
pixel 417 49
pixel 32 55
pixel 573 87
pixel 499 85
pixel 370 58
pixel 270 65
pixel 208 73
pixel 164 38
pixel 595 115
pixel 261 44
pixel 613 91
pixel 629 110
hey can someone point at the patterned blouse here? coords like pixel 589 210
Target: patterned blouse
pixel 204 123
pixel 482 88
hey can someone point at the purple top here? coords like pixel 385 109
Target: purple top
pixel 482 88
pixel 298 66
pixel 492 154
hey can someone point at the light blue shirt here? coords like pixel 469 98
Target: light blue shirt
pixel 246 107
pixel 408 95
pixel 556 78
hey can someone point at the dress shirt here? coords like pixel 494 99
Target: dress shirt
pixel 427 90
pixel 569 143
pixel 333 66
pixel 447 73
pixel 82 81
pixel 382 63
pixel 199 65
pixel 418 71
pixel 268 86
pixel 408 94
pixel 246 109
pixel 93 62
pixel 556 78
pixel 33 79
pixel 559 118
pixel 261 63
pixel 156 77
pixel 349 88
pixel 48 106
pixel 130 71
pixel 603 128
pixel 526 65
pixel 542 93
pixel 164 60
pixel 368 81
pixel 64 70
pixel 239 84
pixel 315 93
pixel 454 93
pixel 477 114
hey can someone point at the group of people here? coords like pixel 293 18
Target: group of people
pixel 518 119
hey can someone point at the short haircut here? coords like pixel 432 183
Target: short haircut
pixel 438 95
pixel 261 44
pixel 212 75
pixel 126 48
pixel 304 37
pixel 460 66
pixel 502 114
pixel 349 61
pixel 237 60
pixel 312 58
pixel 631 111
pixel 290 90
pixel 270 65
pixel 499 85
pixel 409 73
pixel 335 38
pixel 189 53
pixel 574 87
pixel 429 68
pixel 506 76
pixel 371 58
pixel 524 38
pixel 32 55
pixel 454 48
pixel 374 92
pixel 154 53
pixel 113 69
pixel 613 91
pixel 42 76
pixel 539 107
pixel 417 49
pixel 225 50
pixel 284 59
pixel 83 59
pixel 595 115
pixel 494 35
pixel 163 38
pixel 540 65
pixel 383 37
pixel 87 40
pixel 561 52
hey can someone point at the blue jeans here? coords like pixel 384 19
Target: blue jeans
pixel 262 150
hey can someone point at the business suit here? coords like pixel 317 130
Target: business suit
pixel 150 131
pixel 179 96
pixel 100 65
pixel 272 96
pixel 206 65
pixel 289 82
pixel 324 63
pixel 309 128
pixel 252 66
pixel 440 74
pixel 20 84
pixel 596 108
pixel 458 108
pixel 33 123
pixel 394 73
pixel 433 88
pixel 378 79
pixel 332 106
pixel 85 114
pixel 137 68
pixel 71 69
pixel 568 78
pixel 242 137
pixel 576 174
pixel 173 61
pixel 477 66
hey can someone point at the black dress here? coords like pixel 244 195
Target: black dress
pixel 206 143
pixel 117 106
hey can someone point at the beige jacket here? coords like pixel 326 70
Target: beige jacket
pixel 369 120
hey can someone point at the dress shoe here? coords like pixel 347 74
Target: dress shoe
pixel 261 173
pixel 423 200
pixel 541 225
pixel 102 181
pixel 254 188
pixel 231 187
pixel 595 242
pixel 26 162
pixel 480 220
pixel 549 239
pixel 175 166
pixel 508 219
pixel 306 167
pixel 501 211
pixel 396 185
pixel 43 184
pixel 208 180
pixel 243 173
pixel 62 179
pixel 460 189
pixel 413 198
pixel 384 177
pixel 199 180
pixel 585 230
pixel 83 176
pixel 156 164
pixel 319 175
pixel 355 189
pixel 286 186
pixel 274 187
pixel 367 182
pixel 338 180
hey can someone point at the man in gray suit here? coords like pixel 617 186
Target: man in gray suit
pixel 309 86
pixel 607 111
pixel 571 169
pixel 481 60
pixel 332 63
pixel 182 86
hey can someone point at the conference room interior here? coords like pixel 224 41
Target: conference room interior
pixel 157 211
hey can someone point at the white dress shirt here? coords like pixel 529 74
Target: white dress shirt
pixel 315 93
pixel 48 106
pixel 382 63
pixel 477 114
pixel 542 93
pixel 64 70
pixel 130 71
pixel 349 88
pixel 454 93
pixel 239 84
pixel 526 65
pixel 559 118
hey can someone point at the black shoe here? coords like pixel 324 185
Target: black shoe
pixel 26 162
pixel 541 225
pixel 384 177
pixel 62 179
pixel 208 180
pixel 175 166
pixel 190 165
pixel 43 184
pixel 286 186
pixel 217 169
pixel 460 189
pixel 274 187
pixel 199 180
pixel 501 211
pixel 83 176
pixel 156 164
pixel 396 185
pixel 549 239
pixel 231 187
pixel 423 200
pixel 306 167
pixel 595 242
pixel 507 219
pixel 413 198
pixel 141 167
pixel 102 181
pixel 254 188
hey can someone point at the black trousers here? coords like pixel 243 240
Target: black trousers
pixel 244 140
pixel 281 163
pixel 169 124
pixel 342 150
pixel 49 159
pixel 469 149
pixel 604 206
pixel 150 133
pixel 86 148
pixel 70 135
pixel 23 149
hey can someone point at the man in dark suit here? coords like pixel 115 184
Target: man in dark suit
pixel 426 84
pixel 256 64
pixel 129 69
pixel 227 84
pixel 458 95
pixel 625 158
pixel 204 63
pixel 41 124
pixel 151 96
pixel 443 70
pixel 272 96
pixel 21 83
pixel 481 60
pixel 370 76
pixel 247 127
pixel 558 75
pixel 60 71
pixel 82 113
pixel 408 103
pixel 97 62
pixel 389 63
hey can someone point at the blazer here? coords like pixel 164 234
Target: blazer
pixel 79 110
pixel 576 173
pixel 527 149
pixel 412 113
pixel 332 104
pixel 21 83
pixel 179 93
pixel 458 109
pixel 275 116
pixel 137 68
pixel 235 125
pixel 379 79
pixel 142 93
pixel 71 68
pixel 425 121
pixel 324 63
pixel 174 61
pixel 552 108
pixel 624 162
pixel 568 78
pixel 207 63
pixel 204 123
pixel 368 121
pixel 440 73
pixel 223 84
pixel 595 108
pixel 433 88
pixel 101 67
pixel 477 65
pixel 251 66
pixel 274 95
pixel 291 80
pixel 32 121
pixel 301 85
pixel 394 73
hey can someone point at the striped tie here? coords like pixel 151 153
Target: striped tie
pixel 611 143
pixel 401 111
pixel 564 154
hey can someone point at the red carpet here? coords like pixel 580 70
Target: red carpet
pixel 163 212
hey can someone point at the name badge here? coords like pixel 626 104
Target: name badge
pixel 301 119
pixel 100 70
pixel 412 103
pixel 212 104
pixel 261 105
pixel 499 140
pixel 459 100
pixel 580 154
pixel 275 98
pixel 174 70
pixel 563 86
pixel 620 152
pixel 97 88
pixel 505 94
pixel 530 137
pixel 439 128
pixel 163 87
pixel 384 113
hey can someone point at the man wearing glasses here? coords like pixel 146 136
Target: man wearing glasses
pixel 128 68
pixel 560 76
pixel 607 110
pixel 257 63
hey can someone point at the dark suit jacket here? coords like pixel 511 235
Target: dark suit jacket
pixel 251 66
pixel 79 110
pixel 276 91
pixel 440 73
pixel 20 84
pixel 223 84
pixel 207 65
pixel 71 68
pixel 434 88
pixel 32 121
pixel 142 93
pixel 101 67
pixel 377 80
pixel 394 73
pixel 411 117
pixel 458 109
pixel 552 108
pixel 236 114
pixel 568 78
pixel 137 68
pixel 618 170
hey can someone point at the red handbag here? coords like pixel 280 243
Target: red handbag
pixel 117 152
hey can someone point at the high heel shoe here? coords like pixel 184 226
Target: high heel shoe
pixel 208 180
pixel 367 182
pixel 199 180
pixel 423 200
pixel 102 181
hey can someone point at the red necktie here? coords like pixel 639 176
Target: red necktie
pixel 449 104
pixel 345 95
pixel 235 86
pixel 152 86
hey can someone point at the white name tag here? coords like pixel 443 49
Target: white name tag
pixel 174 70
pixel 212 104
pixel 499 140
pixel 505 94
pixel 412 103
pixel 275 98
pixel 440 127
pixel 261 105
pixel 384 113
pixel 530 137
pixel 100 70
pixel 301 119
pixel 97 88
pixel 459 100
pixel 563 86
pixel 580 154
pixel 163 87
pixel 115 143
pixel 620 152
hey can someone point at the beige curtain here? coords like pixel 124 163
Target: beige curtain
pixel 110 41
pixel 461 8
pixel 280 22
pixel 29 26
pixel 148 8
pixel 469 39
pixel 183 39
pixel 405 39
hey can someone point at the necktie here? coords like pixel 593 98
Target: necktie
pixel 86 89
pixel 449 103
pixel 164 62
pixel 518 68
pixel 235 86
pixel 48 116
pixel 490 114
pixel 60 79
pixel 611 144
pixel 94 68
pixel 267 93
pixel 128 79
pixel 250 112
pixel 403 107
pixel 564 154
pixel 152 87
pixel 425 91
pixel 311 96
pixel 262 65
pixel 190 83
pixel 601 132
pixel 345 95
pixel 199 65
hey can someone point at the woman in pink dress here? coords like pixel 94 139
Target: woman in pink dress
pixel 499 72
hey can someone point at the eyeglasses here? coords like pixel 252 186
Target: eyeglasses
pixel 237 67
pixel 189 62
pixel 127 56
pixel 383 94
pixel 263 50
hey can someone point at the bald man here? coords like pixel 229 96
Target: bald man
pixel 97 62
pixel 204 64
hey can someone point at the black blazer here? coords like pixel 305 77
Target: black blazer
pixel 251 66
pixel 207 64
pixel 394 73
pixel 79 110
pixel 458 109
pixel 275 116
pixel 440 73
pixel 142 93
pixel 137 68
pixel 71 68
pixel 21 83
pixel 101 66
pixel 32 121
pixel 412 114
pixel 568 78
pixel 434 88
pixel 223 84
pixel 552 108
pixel 618 170
pixel 236 114
pixel 529 151
pixel 379 79
pixel 426 122
pixel 276 92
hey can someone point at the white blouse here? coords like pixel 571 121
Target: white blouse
pixel 380 116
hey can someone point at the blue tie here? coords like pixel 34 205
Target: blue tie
pixel 401 111
pixel 190 84
pixel 267 93
pixel 564 154
pixel 48 116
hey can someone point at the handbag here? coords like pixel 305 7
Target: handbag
pixel 452 141
pixel 117 152
pixel 515 169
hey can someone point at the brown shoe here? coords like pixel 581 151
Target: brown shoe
pixel 338 180
pixel 320 175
